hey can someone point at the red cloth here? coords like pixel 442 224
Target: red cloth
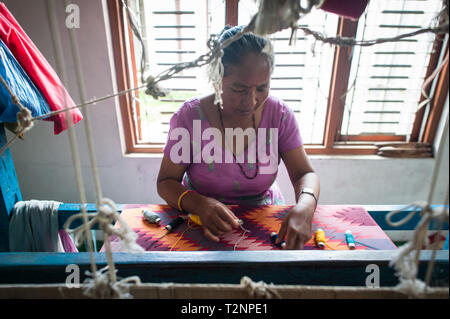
pixel 38 69
pixel 346 8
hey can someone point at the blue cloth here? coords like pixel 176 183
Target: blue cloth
pixel 21 85
pixel 446 243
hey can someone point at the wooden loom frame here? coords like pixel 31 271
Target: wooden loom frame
pixel 314 273
pixel 318 268
pixel 326 268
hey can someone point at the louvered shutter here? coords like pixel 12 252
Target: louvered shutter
pixel 174 31
pixel 386 79
pixel 302 70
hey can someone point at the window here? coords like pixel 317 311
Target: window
pixel 345 98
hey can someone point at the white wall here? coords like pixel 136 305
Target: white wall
pixel 44 165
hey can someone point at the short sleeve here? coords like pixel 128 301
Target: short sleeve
pixel 289 136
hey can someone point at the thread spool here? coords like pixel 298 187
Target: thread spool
pixel 320 238
pixel 274 237
pixel 151 217
pixel 174 224
pixel 350 239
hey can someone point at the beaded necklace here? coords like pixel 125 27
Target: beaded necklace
pixel 234 156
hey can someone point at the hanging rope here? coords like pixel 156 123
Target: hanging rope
pixel 351 42
pixel 406 260
pixel 56 39
pixel 106 217
pixel 107 212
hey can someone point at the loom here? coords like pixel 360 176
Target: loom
pixel 298 274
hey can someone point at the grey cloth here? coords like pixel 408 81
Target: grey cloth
pixel 33 226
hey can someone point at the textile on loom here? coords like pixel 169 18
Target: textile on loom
pixel 335 220
pixel 38 69
pixel 22 86
pixel 34 228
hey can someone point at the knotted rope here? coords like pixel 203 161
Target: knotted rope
pixel 274 16
pixel 259 290
pixel 107 212
pixel 106 216
pixel 404 262
pixel 24 116
pixel 103 287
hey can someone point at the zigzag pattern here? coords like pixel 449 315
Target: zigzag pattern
pixel 260 222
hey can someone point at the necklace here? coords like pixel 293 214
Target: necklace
pixel 234 156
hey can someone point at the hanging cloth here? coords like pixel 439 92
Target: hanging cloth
pixel 21 85
pixel 38 69
pixel 33 227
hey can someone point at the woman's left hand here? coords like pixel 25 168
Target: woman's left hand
pixel 296 228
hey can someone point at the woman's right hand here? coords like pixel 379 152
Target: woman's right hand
pixel 217 219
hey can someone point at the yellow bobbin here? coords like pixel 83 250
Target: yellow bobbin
pixel 195 219
pixel 320 238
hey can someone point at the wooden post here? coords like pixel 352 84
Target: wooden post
pixel 9 191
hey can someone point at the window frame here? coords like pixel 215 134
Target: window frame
pixel 334 143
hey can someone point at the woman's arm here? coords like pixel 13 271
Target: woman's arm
pixel 216 218
pixel 296 228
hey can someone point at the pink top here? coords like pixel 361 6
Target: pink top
pixel 211 169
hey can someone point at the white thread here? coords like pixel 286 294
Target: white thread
pixel 242 236
pixel 106 208
pixel 107 211
pixel 56 38
pixel 428 81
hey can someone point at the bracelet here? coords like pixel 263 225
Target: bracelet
pixel 309 191
pixel 181 197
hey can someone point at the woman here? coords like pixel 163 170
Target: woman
pixel 202 182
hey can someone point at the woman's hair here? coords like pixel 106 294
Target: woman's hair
pixel 248 43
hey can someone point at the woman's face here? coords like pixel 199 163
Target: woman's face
pixel 246 87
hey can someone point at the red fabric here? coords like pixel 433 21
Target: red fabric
pixel 38 69
pixel 346 8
